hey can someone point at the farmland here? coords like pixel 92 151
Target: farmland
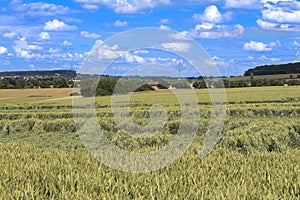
pixel 275 76
pixel 256 157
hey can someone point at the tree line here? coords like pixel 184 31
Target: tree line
pixel 68 74
pixel 107 86
pixel 226 83
pixel 21 83
pixel 291 68
pixel 115 85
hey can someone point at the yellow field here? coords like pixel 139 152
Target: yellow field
pixel 23 93
pixel 62 96
pixel 44 156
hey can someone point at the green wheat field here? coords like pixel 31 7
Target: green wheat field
pixel 256 157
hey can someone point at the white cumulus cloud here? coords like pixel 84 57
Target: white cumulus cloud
pixel 219 31
pixel 87 34
pixel 3 50
pixel 56 25
pixel 66 43
pixel 258 46
pixel 164 27
pixel 277 26
pixel 279 15
pixel 179 46
pixel 124 6
pixel 246 4
pixel 121 23
pixel 39 8
pixel 141 51
pixel 90 6
pixel 44 36
pixel 184 35
pixel 25 50
pixel 206 26
pixel 269 59
pixel 266 25
pixel 102 51
pixel 9 34
pixel 211 14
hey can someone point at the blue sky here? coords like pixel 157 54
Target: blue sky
pixel 39 35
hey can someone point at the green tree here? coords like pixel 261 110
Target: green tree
pixel 145 87
pixel 106 86
pixel 8 83
pixel 60 82
pixel 199 84
pixel 20 83
pixel 45 84
pixel 226 83
pixel 181 84
pixel 87 87
pixel 163 84
pixel 32 83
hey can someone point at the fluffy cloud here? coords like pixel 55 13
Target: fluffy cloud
pixel 269 59
pixel 206 26
pixel 286 4
pixel 180 46
pixel 215 32
pixel 280 16
pixel 259 46
pixel 89 35
pixel 102 51
pixel 141 51
pixel 184 35
pixel 275 1
pixel 164 27
pixel 90 7
pixel 52 50
pixel 129 58
pixel 266 25
pixel 211 14
pixel 54 55
pixel 56 25
pixel 247 4
pixel 66 43
pixel 44 36
pixel 25 50
pixel 164 21
pixel 10 34
pixel 39 9
pixel 3 50
pixel 120 23
pixel 14 29
pixel 124 6
pixel 277 26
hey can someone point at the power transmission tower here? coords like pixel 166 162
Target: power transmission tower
pixel 180 67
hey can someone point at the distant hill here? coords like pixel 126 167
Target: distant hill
pixel 69 74
pixel 291 68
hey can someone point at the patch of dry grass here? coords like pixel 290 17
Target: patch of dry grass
pixel 23 93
